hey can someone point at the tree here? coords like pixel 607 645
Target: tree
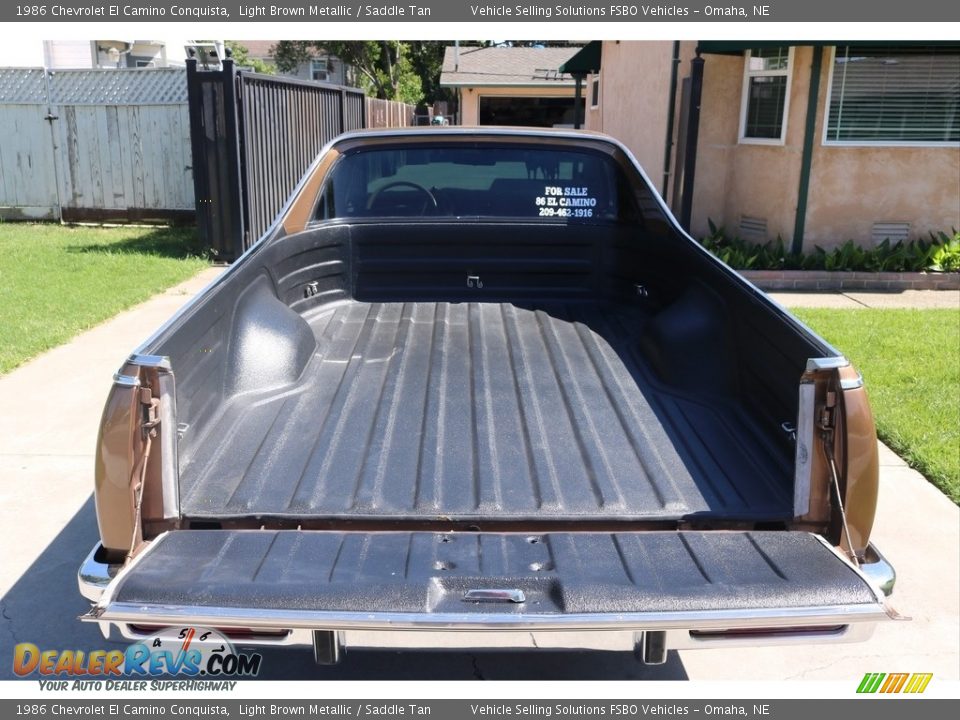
pixel 386 69
pixel 426 58
pixel 240 55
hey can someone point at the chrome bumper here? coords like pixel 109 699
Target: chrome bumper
pixel 95 575
pixel 880 572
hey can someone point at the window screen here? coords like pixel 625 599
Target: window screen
pixel 895 94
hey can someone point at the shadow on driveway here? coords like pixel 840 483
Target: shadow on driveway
pixel 42 608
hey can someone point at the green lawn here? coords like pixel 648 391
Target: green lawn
pixel 910 360
pixel 57 281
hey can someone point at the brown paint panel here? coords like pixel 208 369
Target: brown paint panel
pixel 113 463
pixel 119 448
pixel 861 461
pixel 301 209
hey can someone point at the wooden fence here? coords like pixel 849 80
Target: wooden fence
pixel 115 145
pixel 389 113
pixel 95 145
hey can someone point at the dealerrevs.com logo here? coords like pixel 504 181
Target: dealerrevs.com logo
pixel 188 651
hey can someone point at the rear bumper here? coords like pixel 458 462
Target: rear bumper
pixel 546 641
pixel 880 572
pixel 95 574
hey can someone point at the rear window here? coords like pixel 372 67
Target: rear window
pixel 552 184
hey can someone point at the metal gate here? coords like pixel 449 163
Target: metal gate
pixel 253 138
pixel 94 145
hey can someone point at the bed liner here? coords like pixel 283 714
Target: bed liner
pixel 461 411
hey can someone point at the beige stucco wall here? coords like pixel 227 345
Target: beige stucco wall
pixel 850 188
pixel 634 100
pixel 736 178
pixel 853 187
pixel 470 98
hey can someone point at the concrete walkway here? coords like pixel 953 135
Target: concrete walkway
pixel 48 426
pixel 918 299
pixel 50 414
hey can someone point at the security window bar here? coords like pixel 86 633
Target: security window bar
pixel 766 88
pixel 890 95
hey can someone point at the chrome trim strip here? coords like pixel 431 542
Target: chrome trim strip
pixel 169 457
pixel 803 453
pixel 878 569
pixel 93 576
pixel 827 363
pixel 853 384
pixel 161 362
pixel 121 612
pixel 130 381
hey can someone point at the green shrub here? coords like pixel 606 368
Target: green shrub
pixel 945 256
pixel 940 254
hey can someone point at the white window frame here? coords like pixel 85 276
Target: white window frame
pixel 325 69
pixel 825 140
pixel 595 80
pixel 745 99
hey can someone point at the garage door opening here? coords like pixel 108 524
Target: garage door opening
pixel 528 111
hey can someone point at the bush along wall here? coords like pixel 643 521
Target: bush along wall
pixel 939 254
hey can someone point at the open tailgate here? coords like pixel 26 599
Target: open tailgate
pixel 489 581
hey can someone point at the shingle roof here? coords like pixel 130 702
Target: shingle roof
pixel 522 66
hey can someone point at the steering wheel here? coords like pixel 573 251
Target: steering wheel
pixel 430 199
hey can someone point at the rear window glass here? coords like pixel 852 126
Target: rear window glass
pixel 553 184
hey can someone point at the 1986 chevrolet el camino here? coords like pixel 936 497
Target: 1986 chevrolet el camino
pixel 480 383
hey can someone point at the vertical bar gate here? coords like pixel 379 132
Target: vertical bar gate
pixel 253 136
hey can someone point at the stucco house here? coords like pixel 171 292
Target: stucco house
pixel 511 85
pixel 322 67
pixel 93 54
pixel 815 143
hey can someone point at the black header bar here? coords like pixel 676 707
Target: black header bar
pixel 568 11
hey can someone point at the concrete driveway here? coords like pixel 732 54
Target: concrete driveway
pixel 48 423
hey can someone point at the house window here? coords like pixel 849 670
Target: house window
pixel 766 95
pixel 320 70
pixel 888 95
pixel 595 91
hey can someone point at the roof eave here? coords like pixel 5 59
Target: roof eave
pixel 554 84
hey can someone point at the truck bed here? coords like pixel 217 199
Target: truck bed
pixel 468 411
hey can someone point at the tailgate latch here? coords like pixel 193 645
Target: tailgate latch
pixel 494 595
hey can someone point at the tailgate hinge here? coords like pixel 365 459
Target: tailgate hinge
pixel 826 424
